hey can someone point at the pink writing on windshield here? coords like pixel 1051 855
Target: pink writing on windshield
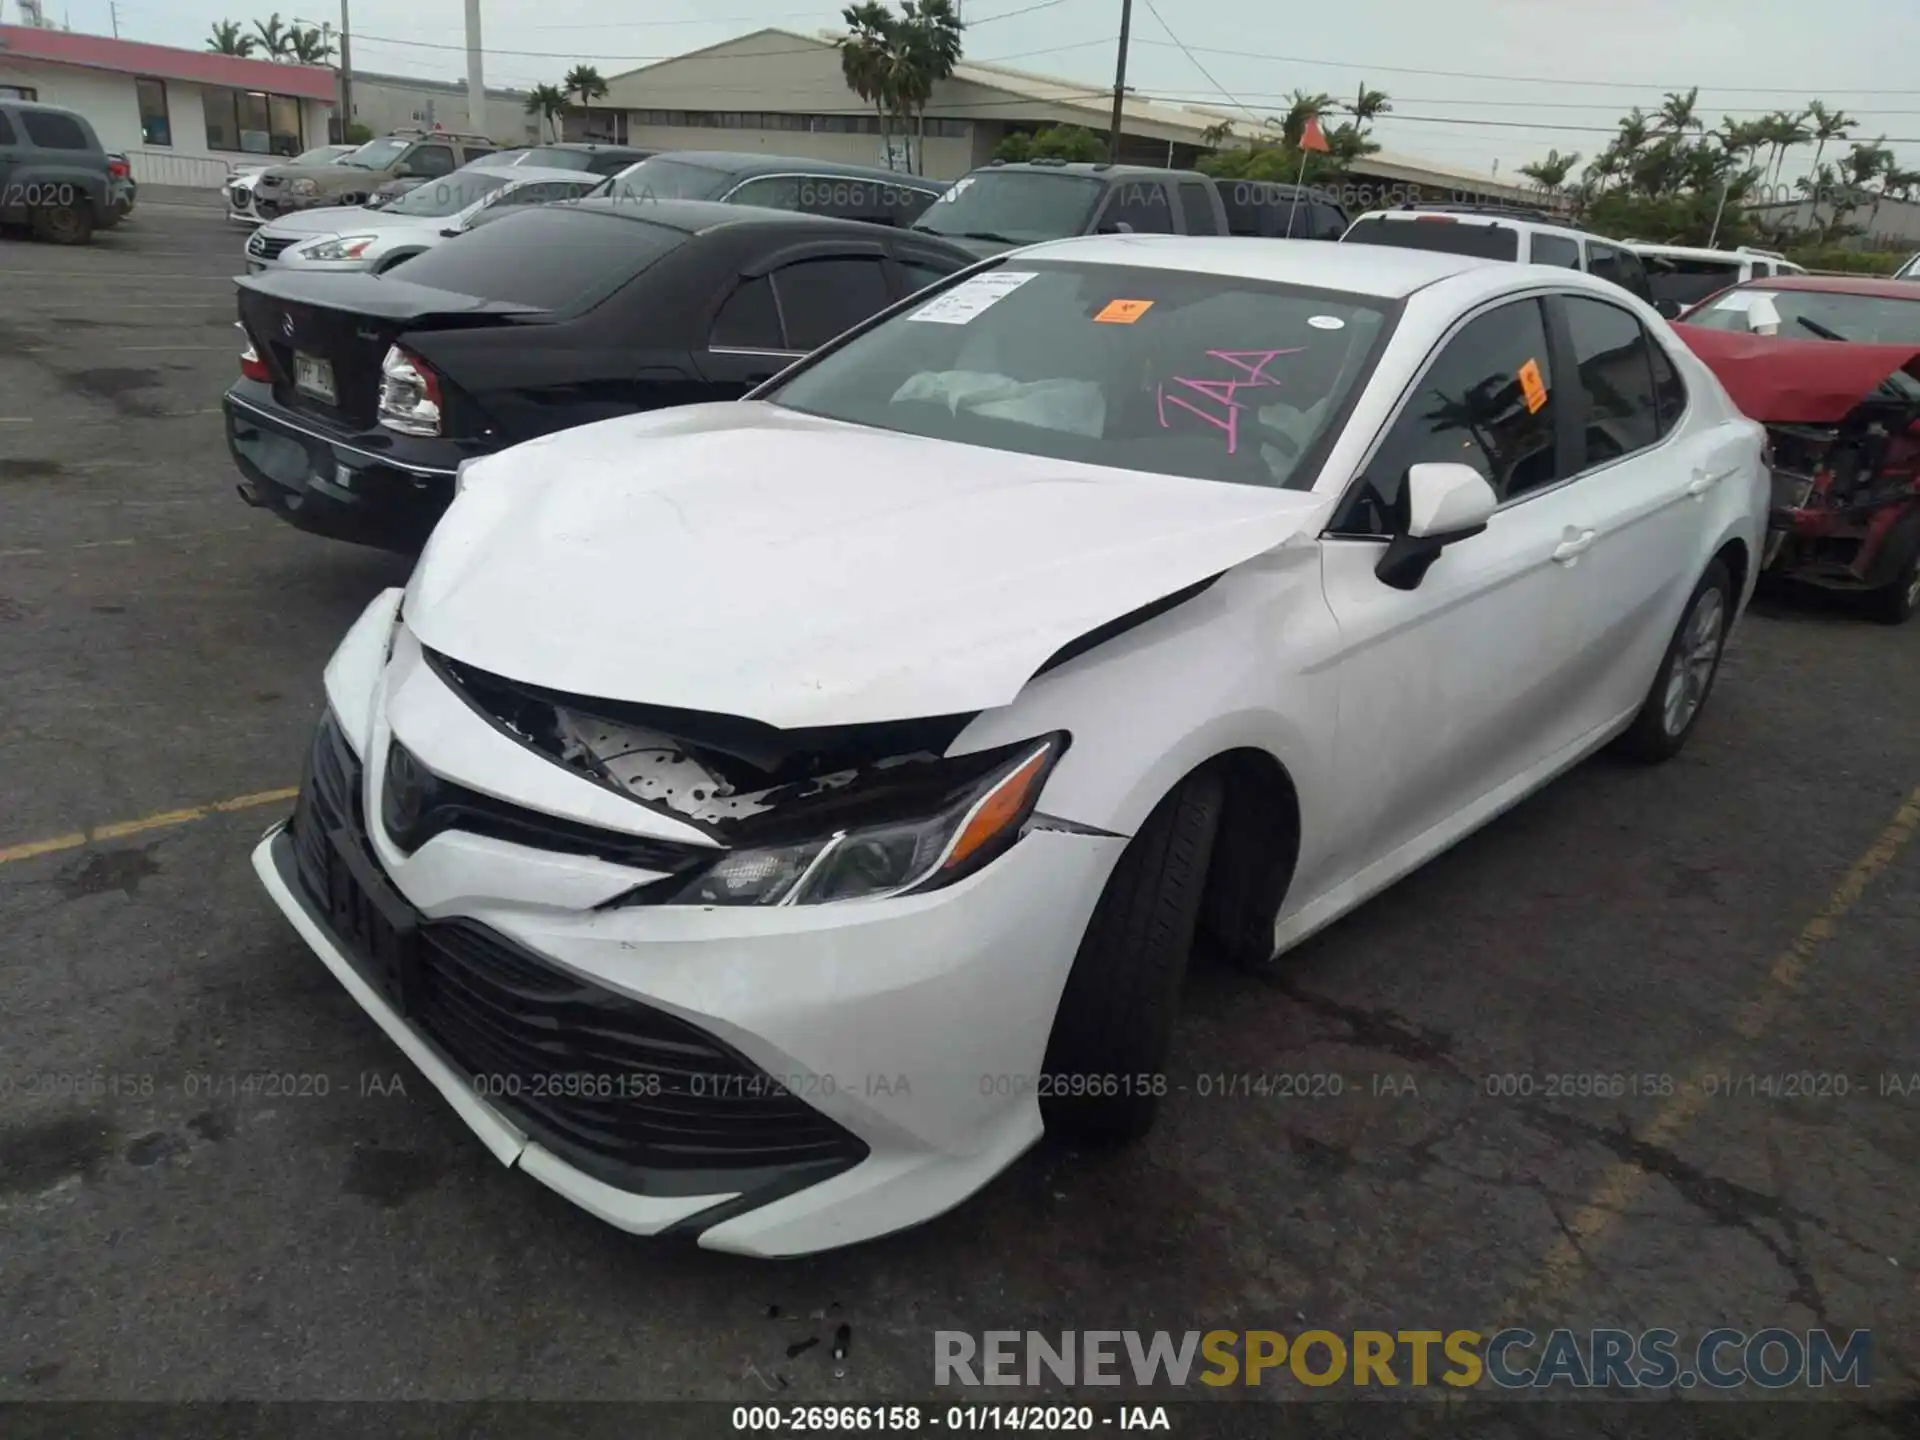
pixel 1252 365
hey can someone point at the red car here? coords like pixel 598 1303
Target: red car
pixel 1831 366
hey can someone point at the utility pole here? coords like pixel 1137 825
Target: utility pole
pixel 476 84
pixel 1119 82
pixel 346 76
pixel 113 9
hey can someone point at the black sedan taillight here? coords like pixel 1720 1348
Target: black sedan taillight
pixel 410 397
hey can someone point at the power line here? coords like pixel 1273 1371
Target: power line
pixel 1195 61
pixel 1537 79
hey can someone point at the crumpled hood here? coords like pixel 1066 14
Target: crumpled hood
pixel 355 177
pixel 748 560
pixel 1796 382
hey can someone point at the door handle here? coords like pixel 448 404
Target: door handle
pixel 1573 547
pixel 1702 482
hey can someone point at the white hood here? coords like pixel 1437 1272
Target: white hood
pixel 343 220
pixel 752 561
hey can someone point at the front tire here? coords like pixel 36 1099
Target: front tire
pixel 1687 672
pixel 1114 1027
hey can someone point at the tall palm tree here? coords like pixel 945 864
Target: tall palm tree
pixel 928 38
pixel 229 39
pixel 1368 105
pixel 1827 125
pixel 274 37
pixel 1551 173
pixel 585 81
pixel 308 46
pixel 1677 112
pixel 864 52
pixel 1862 166
pixel 547 101
pixel 1785 129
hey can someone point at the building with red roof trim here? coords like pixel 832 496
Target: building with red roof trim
pixel 183 117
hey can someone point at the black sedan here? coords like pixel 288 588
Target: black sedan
pixel 360 395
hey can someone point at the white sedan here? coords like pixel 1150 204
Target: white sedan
pixel 345 238
pixel 761 820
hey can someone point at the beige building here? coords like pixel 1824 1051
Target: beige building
pixel 781 92
pixel 385 103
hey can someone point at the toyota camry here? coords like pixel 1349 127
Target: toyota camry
pixel 762 820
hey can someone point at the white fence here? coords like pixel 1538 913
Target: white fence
pixel 162 167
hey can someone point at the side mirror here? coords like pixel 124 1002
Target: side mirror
pixel 1763 316
pixel 451 231
pixel 1668 309
pixel 1447 502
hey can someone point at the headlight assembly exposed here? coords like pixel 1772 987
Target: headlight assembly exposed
pixel 337 247
pixel 304 186
pixel 971 824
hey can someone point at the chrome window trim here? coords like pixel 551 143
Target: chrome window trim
pixel 320 435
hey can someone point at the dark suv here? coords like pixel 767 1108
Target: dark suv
pixel 1001 206
pixel 778 182
pixel 54 176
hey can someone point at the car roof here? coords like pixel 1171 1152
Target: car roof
pixel 590 146
pixel 1380 271
pixel 1883 286
pixel 1098 168
pixel 1491 217
pixel 1704 252
pixel 739 163
pixel 698 217
pixel 528 172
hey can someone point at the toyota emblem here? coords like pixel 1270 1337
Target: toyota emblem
pixel 286 326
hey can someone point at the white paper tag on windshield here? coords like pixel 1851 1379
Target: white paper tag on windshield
pixel 970 297
pixel 1741 300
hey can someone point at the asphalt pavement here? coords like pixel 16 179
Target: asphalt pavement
pixel 218 1179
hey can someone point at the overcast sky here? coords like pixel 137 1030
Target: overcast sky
pixel 1530 74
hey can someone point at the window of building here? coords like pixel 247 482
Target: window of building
pixel 251 121
pixel 19 92
pixel 155 126
pixel 51 130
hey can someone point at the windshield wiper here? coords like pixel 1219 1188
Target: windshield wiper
pixel 993 237
pixel 1822 331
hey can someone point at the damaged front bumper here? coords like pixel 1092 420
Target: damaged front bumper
pixel 774 1081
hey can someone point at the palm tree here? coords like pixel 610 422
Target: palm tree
pixel 1551 173
pixel 1865 164
pixel 1368 105
pixel 228 39
pixel 586 82
pixel 547 101
pixel 274 37
pixel 1677 112
pixel 864 52
pixel 928 39
pixel 309 46
pixel 1827 125
pixel 1784 131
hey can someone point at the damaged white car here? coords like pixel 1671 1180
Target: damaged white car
pixel 761 820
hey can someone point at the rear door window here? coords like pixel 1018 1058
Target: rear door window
pixel 750 320
pixel 1557 250
pixel 430 160
pixel 1613 361
pixel 53 131
pixel 583 257
pixel 1438 232
pixel 1623 268
pixel 1139 205
pixel 821 298
pixel 1196 208
pixel 774 192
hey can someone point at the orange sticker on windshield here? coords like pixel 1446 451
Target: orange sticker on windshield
pixel 1533 387
pixel 1123 312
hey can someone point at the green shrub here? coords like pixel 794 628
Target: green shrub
pixel 1854 262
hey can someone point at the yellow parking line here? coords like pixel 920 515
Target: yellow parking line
pixel 1625 1181
pixel 120 829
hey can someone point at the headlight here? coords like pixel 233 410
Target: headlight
pixel 965 823
pixel 304 187
pixel 338 247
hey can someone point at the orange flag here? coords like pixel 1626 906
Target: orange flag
pixel 1311 138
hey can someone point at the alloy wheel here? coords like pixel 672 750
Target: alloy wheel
pixel 1694 660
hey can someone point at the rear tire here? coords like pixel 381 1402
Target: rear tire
pixel 1114 1026
pixel 1687 672
pixel 1897 603
pixel 64 224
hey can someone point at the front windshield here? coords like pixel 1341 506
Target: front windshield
pixel 665 180
pixel 375 154
pixel 1016 207
pixel 448 195
pixel 322 155
pixel 1818 315
pixel 555 159
pixel 1207 376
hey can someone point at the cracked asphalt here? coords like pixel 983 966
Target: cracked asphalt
pixel 177 1227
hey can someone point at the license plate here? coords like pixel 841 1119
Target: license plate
pixel 372 921
pixel 314 377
